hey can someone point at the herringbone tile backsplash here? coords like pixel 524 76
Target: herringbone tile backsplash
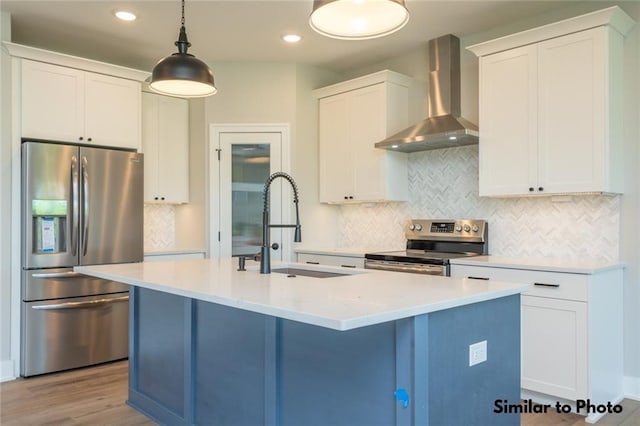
pixel 159 226
pixel 444 184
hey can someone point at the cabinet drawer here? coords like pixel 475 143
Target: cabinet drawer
pixel 557 285
pixel 320 259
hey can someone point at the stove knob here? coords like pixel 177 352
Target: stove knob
pixel 458 228
pixel 412 227
pixel 418 227
pixel 467 228
pixel 475 228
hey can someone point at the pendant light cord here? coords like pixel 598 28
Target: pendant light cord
pixel 182 13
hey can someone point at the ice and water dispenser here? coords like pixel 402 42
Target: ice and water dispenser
pixel 49 221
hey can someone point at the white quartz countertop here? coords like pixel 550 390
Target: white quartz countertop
pixel 172 250
pixel 539 264
pixel 361 298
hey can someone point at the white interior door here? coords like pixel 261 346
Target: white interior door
pixel 242 160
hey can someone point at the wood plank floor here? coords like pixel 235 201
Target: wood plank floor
pixel 96 396
pixel 88 396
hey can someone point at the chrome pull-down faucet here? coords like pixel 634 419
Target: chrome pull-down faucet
pixel 265 258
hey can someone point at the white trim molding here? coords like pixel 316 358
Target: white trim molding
pixel 6 370
pixel 41 55
pixel 632 387
pixel 613 16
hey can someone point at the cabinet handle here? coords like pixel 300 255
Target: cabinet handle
pixel 89 139
pixel 348 266
pixel 310 262
pixel 479 278
pixel 531 189
pixel 80 138
pixel 155 198
pixel 162 198
pixel 547 285
pixel 540 188
pixel 351 197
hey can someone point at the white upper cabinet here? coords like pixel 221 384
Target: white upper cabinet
pixel 71 105
pixel 165 144
pixel 550 110
pixel 353 116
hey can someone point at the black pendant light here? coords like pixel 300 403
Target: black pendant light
pixel 182 74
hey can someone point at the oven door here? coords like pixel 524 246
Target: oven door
pixel 412 268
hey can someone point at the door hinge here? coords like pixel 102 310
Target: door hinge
pixel 218 150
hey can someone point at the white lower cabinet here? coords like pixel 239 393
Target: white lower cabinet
pixel 331 260
pixel 554 346
pixel 571 331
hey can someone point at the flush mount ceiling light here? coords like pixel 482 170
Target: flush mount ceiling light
pixel 358 19
pixel 182 74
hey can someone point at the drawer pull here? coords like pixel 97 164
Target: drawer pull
pixel 547 285
pixel 348 266
pixel 310 262
pixel 479 278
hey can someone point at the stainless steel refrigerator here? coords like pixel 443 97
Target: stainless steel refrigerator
pixel 80 206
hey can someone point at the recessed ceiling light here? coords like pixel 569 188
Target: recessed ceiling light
pixel 291 38
pixel 125 16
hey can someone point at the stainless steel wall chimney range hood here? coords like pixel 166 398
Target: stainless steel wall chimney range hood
pixel 444 127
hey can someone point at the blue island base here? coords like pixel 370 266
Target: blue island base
pixel 194 362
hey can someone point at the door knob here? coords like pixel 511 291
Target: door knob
pixel 275 246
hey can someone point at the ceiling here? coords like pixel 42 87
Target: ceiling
pixel 243 30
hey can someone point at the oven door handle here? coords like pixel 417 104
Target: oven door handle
pixel 422 269
pixel 80 305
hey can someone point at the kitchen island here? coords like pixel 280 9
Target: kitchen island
pixel 212 345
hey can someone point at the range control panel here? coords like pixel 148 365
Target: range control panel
pixel 425 229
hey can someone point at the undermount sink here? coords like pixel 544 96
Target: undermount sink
pixel 293 272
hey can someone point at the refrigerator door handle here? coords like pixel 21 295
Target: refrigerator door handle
pixel 80 305
pixel 85 210
pixel 74 205
pixel 58 275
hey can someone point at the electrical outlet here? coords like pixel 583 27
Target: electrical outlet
pixel 477 353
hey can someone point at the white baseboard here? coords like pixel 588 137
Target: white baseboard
pixel 6 370
pixel 632 387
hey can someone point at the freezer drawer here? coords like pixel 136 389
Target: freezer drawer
pixel 68 333
pixel 59 283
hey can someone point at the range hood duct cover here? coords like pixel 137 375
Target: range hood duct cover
pixel 444 127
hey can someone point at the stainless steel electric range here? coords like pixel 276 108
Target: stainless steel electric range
pixel 431 244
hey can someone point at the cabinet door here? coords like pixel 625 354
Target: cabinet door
pixel 571 112
pixel 165 143
pixel 367 119
pixel 336 162
pixel 508 124
pixel 150 146
pixel 554 347
pixel 52 102
pixel 112 111
pixel 173 153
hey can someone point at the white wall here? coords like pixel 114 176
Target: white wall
pixel 630 207
pixel 259 93
pixel 191 225
pixel 444 183
pixel 6 366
